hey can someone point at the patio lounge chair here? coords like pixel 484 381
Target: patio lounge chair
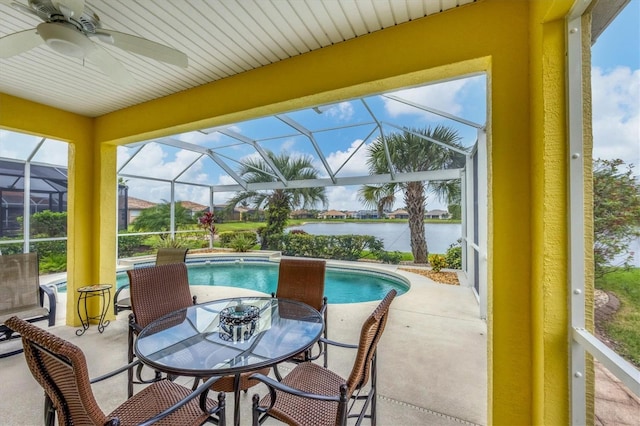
pixel 164 256
pixel 312 394
pixel 158 291
pixel 61 369
pixel 303 280
pixel 22 295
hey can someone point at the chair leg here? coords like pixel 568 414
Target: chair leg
pixel 49 411
pixel 374 389
pixel 276 372
pixel 130 358
pixel 324 332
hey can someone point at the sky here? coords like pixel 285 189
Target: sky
pixel 345 148
pixel 615 82
pixel 616 128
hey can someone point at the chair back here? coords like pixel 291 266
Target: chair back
pixel 61 369
pixel 158 290
pixel 302 280
pixel 167 255
pixel 19 283
pixel 369 336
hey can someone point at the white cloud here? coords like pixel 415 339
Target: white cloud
pixel 616 114
pixel 198 138
pixel 442 96
pixel 21 146
pixel 342 111
pixel 356 166
pixel 288 145
pixel 342 198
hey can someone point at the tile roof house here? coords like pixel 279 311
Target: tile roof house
pixel 136 206
pixel 332 214
pixel 437 214
pixel 398 214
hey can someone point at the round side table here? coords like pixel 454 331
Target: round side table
pixel 99 290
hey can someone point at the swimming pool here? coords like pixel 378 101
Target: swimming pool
pixel 342 285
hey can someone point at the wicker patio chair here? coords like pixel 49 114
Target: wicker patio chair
pixel 313 395
pixel 303 280
pixel 22 295
pixel 61 369
pixel 155 292
pixel 164 256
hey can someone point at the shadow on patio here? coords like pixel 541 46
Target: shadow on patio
pixel 431 358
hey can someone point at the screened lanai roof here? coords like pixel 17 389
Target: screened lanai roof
pixel 335 136
pixel 49 179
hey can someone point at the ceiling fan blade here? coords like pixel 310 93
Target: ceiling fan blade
pixel 19 6
pixel 110 66
pixel 144 47
pixel 69 8
pixel 19 42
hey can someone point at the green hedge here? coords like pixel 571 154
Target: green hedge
pixel 342 247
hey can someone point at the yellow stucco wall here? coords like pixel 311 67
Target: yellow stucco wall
pixel 28 117
pixel 520 44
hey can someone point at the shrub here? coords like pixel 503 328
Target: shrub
pixel 242 242
pixel 343 247
pixel 49 248
pixel 14 248
pixel 393 257
pixel 454 255
pixel 169 243
pixel 49 224
pixel 437 262
pixel 129 245
pixel 226 238
pixel 56 262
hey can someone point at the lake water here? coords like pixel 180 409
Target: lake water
pixel 396 236
pixel 634 248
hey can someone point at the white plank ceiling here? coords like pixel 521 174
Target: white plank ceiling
pixel 221 38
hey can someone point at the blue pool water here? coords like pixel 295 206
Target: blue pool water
pixel 341 285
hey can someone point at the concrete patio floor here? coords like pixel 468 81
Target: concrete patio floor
pixel 431 359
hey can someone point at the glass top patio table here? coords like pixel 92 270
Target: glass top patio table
pixel 228 336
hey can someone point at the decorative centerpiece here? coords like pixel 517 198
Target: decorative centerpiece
pixel 238 323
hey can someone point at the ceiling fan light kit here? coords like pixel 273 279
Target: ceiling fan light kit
pixel 67 28
pixel 65 39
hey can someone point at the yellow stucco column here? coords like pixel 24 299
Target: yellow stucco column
pixel 549 225
pixel 105 219
pixel 19 115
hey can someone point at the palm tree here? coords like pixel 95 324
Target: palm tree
pixel 279 202
pixel 377 197
pixel 410 152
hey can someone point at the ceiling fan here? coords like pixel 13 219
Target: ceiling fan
pixel 68 28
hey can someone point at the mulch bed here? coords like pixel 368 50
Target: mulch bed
pixel 450 278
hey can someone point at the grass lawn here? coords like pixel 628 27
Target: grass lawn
pixel 625 327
